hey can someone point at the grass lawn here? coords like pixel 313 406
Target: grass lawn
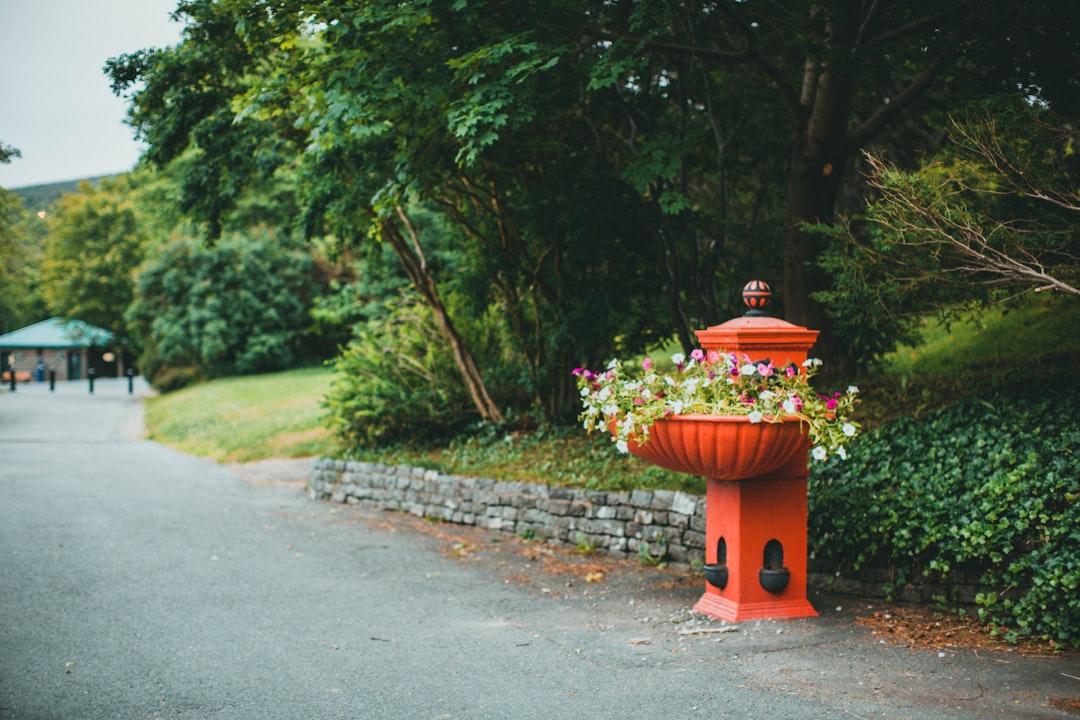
pixel 246 418
pixel 1045 325
pixel 990 350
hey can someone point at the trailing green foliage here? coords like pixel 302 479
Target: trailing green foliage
pixel 989 487
pixel 239 306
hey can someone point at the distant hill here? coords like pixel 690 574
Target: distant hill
pixel 40 197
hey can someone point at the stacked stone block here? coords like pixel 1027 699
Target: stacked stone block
pixel 671 525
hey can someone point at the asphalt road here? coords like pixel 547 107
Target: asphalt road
pixel 138 582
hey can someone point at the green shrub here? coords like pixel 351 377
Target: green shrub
pixel 397 381
pixel 238 306
pixel 988 487
pixel 170 379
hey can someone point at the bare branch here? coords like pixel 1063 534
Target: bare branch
pixel 971 247
pixel 897 103
pixel 733 56
pixel 901 31
pixel 1020 180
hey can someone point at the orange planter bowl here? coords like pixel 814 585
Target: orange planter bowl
pixel 723 447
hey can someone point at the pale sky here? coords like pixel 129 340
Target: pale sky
pixel 55 103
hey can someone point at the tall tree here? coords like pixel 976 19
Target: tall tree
pixel 465 109
pixel 844 71
pixel 7 153
pixel 733 124
pixel 238 306
pixel 18 260
pixel 94 243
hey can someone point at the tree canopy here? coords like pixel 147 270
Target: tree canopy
pixel 614 171
pixel 94 243
pixel 239 306
pixel 17 256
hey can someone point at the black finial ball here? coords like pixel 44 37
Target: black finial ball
pixel 755 295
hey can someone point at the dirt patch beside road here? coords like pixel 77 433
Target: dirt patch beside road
pixel 275 472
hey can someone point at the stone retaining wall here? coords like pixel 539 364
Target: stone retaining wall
pixel 664 524
pixel 671 525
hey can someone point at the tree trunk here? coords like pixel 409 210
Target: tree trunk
pixel 819 154
pixel 811 197
pixel 415 265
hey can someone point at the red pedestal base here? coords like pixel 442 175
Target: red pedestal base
pixel 747 516
pixel 724 609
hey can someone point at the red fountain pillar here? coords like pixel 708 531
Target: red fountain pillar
pixel 755 532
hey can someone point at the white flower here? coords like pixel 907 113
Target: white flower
pixel 842 452
pixel 767 395
pixel 678 358
pixel 604 394
pixel 646 393
pixel 748 369
pixel 622 446
pixel 754 417
pixel 819 453
pixel 613 364
pixel 811 362
pixel 789 407
pixel 848 429
pixel 852 390
pixel 676 407
pixel 691 385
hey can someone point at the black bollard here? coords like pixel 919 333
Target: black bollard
pixel 131 381
pixel 90 375
pixel 12 372
pixel 52 380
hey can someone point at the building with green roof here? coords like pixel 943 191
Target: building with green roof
pixel 70 347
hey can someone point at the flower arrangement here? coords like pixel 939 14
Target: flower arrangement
pixel 627 404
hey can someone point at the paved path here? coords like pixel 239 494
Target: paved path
pixel 137 582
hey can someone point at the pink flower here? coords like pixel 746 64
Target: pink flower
pixel 714 357
pixel 765 370
pixel 646 364
pixel 697 354
pixel 831 404
pixel 790 371
pixel 641 401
